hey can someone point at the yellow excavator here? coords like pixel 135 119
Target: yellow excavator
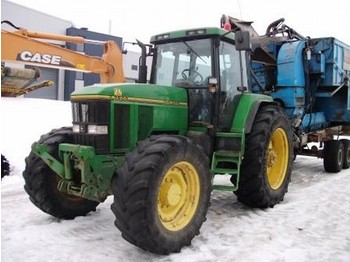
pixel 35 48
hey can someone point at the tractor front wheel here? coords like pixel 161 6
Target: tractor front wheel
pixel 161 194
pixel 41 182
pixel 267 163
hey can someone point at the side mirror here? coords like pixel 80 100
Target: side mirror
pixel 242 41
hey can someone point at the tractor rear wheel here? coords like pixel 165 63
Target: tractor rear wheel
pixel 161 194
pixel 267 163
pixel 41 182
pixel 333 156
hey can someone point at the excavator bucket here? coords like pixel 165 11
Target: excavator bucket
pixel 17 81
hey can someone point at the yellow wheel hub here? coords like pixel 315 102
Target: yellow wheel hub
pixel 277 158
pixel 178 196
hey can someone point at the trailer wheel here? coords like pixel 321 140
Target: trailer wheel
pixel 267 163
pixel 5 166
pixel 346 144
pixel 41 182
pixel 333 156
pixel 161 194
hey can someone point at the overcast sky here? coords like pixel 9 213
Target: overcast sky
pixel 140 19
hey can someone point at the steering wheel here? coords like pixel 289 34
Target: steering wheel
pixel 196 77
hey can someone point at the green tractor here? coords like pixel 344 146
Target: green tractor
pixel 157 146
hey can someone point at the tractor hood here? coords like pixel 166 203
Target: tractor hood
pixel 140 93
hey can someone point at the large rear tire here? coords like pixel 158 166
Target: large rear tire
pixel 267 163
pixel 41 182
pixel 161 194
pixel 333 156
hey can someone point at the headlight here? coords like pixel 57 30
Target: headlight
pixel 98 130
pixel 76 128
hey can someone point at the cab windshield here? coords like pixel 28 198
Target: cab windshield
pixel 184 64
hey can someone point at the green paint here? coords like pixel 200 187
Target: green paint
pixel 246 109
pixel 96 171
pixel 134 93
pixel 54 164
pixel 192 33
pixel 228 162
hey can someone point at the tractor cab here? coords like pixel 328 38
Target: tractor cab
pixel 205 63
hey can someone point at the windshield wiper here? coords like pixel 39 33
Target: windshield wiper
pixel 194 51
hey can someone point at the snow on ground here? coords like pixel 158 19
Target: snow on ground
pixel 311 224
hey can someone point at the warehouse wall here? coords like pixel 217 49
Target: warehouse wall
pixel 32 19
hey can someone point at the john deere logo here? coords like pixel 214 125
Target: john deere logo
pixel 118 92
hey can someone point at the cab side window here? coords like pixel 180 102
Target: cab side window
pixel 230 79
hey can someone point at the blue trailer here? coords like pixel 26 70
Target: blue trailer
pixel 309 78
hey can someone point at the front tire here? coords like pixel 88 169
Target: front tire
pixel 267 163
pixel 161 194
pixel 41 182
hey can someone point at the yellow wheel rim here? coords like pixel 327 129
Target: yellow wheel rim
pixel 178 196
pixel 277 158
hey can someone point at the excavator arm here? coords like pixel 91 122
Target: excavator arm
pixel 33 48
pixel 23 46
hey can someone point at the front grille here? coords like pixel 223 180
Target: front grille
pixel 122 126
pixel 145 121
pixel 94 112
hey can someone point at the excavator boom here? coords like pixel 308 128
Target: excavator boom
pixel 33 48
pixel 25 48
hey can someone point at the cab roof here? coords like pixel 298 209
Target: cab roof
pixel 194 33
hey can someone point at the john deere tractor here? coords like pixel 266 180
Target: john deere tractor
pixel 157 146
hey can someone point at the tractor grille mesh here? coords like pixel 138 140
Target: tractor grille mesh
pixel 91 113
pixel 122 126
pixel 145 121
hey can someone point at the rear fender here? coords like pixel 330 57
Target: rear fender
pixel 247 109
